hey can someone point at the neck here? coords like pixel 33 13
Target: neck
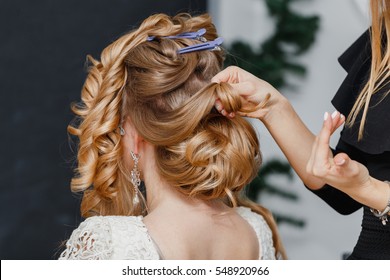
pixel 161 196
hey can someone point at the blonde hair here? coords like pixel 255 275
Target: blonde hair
pixel 170 100
pixel 380 49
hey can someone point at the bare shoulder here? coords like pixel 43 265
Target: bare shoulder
pixel 262 230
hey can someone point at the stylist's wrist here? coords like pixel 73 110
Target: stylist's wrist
pixel 374 194
pixel 276 107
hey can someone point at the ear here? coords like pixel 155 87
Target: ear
pixel 131 138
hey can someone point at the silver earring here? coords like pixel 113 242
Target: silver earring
pixel 135 177
pixel 121 130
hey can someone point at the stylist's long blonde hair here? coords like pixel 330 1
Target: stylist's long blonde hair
pixel 170 100
pixel 380 64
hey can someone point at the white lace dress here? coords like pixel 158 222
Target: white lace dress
pixel 127 238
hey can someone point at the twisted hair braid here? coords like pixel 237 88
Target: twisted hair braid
pixel 99 115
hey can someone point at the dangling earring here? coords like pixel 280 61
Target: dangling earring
pixel 135 177
pixel 121 130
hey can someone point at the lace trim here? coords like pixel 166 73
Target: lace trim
pixel 90 241
pixel 263 232
pixel 111 237
pixel 132 240
pixel 121 237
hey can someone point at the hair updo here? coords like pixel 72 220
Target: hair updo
pixel 170 100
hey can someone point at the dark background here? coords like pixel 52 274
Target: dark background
pixel 43 45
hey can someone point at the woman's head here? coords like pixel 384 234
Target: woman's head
pixel 169 99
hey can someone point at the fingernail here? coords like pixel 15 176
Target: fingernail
pixel 223 112
pixel 231 115
pixel 218 107
pixel 334 114
pixel 340 162
pixel 342 116
pixel 326 115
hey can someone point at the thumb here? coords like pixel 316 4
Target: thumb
pixel 342 159
pixel 226 75
pixel 230 74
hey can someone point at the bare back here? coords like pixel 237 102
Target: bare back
pixel 204 234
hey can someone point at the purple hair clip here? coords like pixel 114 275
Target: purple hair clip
pixel 197 35
pixel 210 45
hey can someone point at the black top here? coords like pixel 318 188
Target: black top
pixel 373 150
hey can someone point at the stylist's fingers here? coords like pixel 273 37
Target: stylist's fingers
pixel 346 166
pixel 245 90
pixel 346 171
pixel 229 75
pixel 254 92
pixel 341 159
pixel 218 105
pixel 325 133
pixel 319 162
pixel 340 122
pixel 337 120
pixel 233 74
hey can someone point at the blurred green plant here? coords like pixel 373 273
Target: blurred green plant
pixel 262 185
pixel 275 59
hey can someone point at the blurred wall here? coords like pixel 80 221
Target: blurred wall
pixel 43 47
pixel 42 53
pixel 327 235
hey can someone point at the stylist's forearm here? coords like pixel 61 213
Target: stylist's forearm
pixel 293 138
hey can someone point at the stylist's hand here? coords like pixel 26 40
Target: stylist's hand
pixel 339 171
pixel 257 95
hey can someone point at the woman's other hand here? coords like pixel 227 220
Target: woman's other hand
pixel 338 171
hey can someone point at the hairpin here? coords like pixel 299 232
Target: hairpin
pixel 197 35
pixel 211 45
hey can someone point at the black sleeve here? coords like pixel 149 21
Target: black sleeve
pixel 335 198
